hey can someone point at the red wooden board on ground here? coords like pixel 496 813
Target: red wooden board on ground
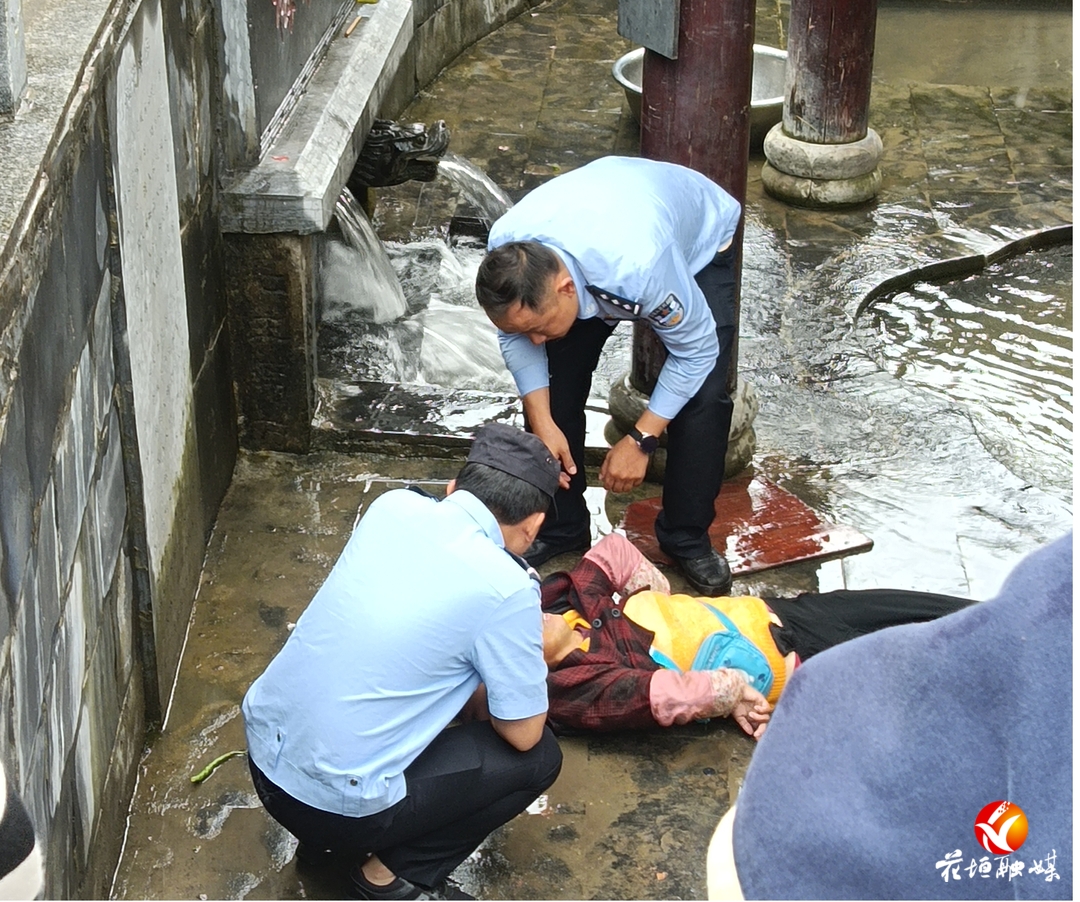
pixel 758 525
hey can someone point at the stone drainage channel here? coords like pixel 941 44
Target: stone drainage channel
pixel 937 420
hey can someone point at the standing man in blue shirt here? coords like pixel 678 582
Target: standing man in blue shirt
pixel 623 238
pixel 429 610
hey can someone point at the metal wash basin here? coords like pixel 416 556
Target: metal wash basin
pixel 766 95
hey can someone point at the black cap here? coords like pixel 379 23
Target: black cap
pixel 518 453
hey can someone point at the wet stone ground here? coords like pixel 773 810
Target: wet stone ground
pixel 968 166
pixel 629 817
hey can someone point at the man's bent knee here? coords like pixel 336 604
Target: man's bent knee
pixel 548 761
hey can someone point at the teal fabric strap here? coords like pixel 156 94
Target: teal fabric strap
pixel 729 624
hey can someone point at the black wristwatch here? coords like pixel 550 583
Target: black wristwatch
pixel 647 443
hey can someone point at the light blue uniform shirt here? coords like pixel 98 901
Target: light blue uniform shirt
pixel 423 604
pixel 638 230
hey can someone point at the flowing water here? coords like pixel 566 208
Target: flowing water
pixel 998 344
pixel 476 187
pixel 356 284
pixel 441 336
pixel 406 312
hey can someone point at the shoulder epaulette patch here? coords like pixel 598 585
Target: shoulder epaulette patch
pixel 631 307
pixel 668 313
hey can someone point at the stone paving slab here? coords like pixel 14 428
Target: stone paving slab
pixel 626 810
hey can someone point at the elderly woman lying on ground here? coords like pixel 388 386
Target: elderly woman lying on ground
pixel 624 653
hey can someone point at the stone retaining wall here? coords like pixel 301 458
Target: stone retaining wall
pixel 117 426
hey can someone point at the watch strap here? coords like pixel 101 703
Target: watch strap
pixel 646 442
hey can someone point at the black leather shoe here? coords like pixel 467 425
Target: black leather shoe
pixel 709 574
pixel 398 888
pixel 543 550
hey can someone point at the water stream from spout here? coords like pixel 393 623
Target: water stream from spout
pixel 406 312
pixel 357 282
pixel 476 187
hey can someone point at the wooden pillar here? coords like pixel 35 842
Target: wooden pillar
pixel 695 110
pixel 823 153
pixel 830 61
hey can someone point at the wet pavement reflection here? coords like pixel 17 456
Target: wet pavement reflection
pixel 999 345
pixel 937 422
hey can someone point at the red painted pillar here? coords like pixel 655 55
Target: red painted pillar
pixel 830 61
pixel 695 110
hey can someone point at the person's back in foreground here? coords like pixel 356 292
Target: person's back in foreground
pixel 424 611
pixel 883 753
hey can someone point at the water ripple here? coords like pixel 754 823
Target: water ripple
pixel 998 344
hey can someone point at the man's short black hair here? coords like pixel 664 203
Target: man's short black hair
pixel 517 271
pixel 508 498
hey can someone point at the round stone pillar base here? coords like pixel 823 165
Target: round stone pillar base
pixel 821 175
pixel 626 404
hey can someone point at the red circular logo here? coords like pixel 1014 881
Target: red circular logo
pixel 1001 827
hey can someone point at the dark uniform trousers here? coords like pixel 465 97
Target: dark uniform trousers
pixel 697 438
pixel 464 785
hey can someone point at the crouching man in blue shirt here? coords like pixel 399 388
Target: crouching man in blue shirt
pixel 623 238
pixel 428 609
